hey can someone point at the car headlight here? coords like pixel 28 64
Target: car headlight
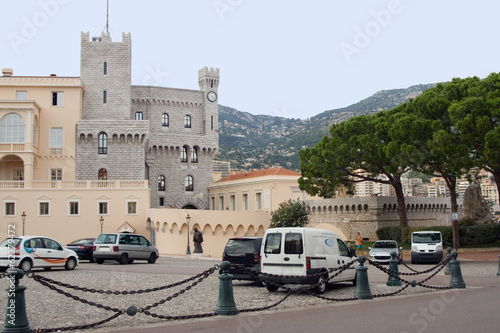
pixel 439 248
pixel 414 248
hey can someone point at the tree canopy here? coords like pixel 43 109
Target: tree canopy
pixel 359 149
pixel 290 214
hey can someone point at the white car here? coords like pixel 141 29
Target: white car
pixel 26 252
pixel 382 249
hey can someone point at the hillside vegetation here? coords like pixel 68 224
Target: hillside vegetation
pixel 260 141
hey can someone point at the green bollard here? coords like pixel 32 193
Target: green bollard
pixel 16 320
pixel 457 281
pixel 226 305
pixel 447 268
pixel 498 273
pixel 362 286
pixel 393 266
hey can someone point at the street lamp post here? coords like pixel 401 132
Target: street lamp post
pixel 188 219
pixel 23 216
pixel 101 221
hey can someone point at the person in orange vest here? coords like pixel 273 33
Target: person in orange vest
pixel 359 245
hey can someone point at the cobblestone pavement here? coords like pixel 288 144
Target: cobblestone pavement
pixel 47 308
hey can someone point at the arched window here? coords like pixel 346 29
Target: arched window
pixel 184 158
pixel 12 128
pixel 105 68
pixel 189 183
pixel 161 183
pixel 103 174
pixel 103 143
pixel 164 120
pixel 187 121
pixel 194 155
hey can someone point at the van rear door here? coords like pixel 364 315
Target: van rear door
pixel 294 258
pixel 272 256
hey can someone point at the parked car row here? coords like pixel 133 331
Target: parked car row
pixel 27 252
pixel 307 255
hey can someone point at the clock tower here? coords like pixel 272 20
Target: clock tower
pixel 208 80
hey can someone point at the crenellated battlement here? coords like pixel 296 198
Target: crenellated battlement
pixel 211 72
pixel 104 38
pixel 208 78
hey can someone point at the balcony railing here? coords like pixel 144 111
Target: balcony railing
pixel 17 147
pixel 75 184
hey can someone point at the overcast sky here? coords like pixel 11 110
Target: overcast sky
pixel 285 58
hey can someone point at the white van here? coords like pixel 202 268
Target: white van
pixel 426 246
pixel 297 254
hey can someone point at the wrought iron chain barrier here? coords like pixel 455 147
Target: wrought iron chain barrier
pixel 131 310
pixel 80 327
pixel 414 283
pixel 446 259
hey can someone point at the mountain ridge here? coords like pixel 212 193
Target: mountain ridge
pixel 261 141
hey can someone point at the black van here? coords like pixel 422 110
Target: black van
pixel 243 252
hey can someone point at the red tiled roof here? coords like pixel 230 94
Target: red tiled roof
pixel 260 173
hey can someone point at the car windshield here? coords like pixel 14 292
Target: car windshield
pixel 384 245
pixel 429 238
pixel 81 241
pixel 240 246
pixel 106 239
pixel 10 242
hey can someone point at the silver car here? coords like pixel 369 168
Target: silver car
pixel 124 248
pixel 382 249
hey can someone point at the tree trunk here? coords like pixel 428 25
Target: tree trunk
pixel 496 175
pixel 403 218
pixel 451 182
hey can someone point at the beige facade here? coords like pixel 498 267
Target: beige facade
pixel 38 117
pixel 257 191
pixel 169 228
pixel 68 210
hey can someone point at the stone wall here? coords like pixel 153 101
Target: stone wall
pixel 367 214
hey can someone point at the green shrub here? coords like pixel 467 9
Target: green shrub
pixel 478 234
pixel 389 233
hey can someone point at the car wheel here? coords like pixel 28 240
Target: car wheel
pixel 92 260
pixel 70 264
pixel 3 269
pixel 271 287
pixel 26 265
pixel 355 280
pixel 321 286
pixel 99 261
pixel 130 261
pixel 123 259
pixel 152 258
pixel 260 283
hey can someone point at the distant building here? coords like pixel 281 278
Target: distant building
pixel 256 191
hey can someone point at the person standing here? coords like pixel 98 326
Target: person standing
pixel 197 240
pixel 359 245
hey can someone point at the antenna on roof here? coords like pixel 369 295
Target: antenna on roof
pixel 107 17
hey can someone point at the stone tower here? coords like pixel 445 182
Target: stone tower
pixel 105 69
pixel 110 143
pixel 208 80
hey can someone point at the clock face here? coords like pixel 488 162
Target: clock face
pixel 212 96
